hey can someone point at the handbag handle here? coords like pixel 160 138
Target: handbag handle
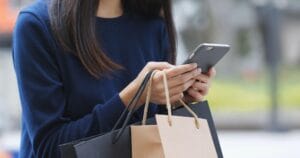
pixel 130 109
pixel 168 102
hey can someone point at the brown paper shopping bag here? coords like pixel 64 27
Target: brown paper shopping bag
pixel 182 139
pixel 173 136
pixel 145 139
pixel 145 142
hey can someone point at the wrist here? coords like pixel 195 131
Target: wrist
pixel 128 93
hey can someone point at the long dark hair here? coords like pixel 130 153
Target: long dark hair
pixel 73 24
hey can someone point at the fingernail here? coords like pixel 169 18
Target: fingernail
pixel 194 64
pixel 199 70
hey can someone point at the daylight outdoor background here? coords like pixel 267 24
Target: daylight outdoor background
pixel 255 96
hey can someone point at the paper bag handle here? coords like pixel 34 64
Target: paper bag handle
pixel 165 81
pixel 131 108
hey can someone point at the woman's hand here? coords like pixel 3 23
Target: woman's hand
pixel 200 87
pixel 128 92
pixel 180 78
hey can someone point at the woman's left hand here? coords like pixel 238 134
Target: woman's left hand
pixel 200 87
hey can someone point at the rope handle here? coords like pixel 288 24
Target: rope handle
pixel 168 103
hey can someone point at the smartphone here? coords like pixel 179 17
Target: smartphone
pixel 207 55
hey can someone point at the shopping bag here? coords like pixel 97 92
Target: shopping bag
pixel 173 136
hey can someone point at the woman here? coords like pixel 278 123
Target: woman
pixel 79 62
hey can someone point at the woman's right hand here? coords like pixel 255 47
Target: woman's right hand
pixel 180 78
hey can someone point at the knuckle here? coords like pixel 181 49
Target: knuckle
pixel 150 64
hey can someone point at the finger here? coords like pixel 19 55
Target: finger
pixel 212 72
pixel 181 69
pixel 203 78
pixel 173 98
pixel 181 88
pixel 181 79
pixel 195 94
pixel 203 88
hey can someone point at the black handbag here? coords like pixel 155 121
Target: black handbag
pixel 117 143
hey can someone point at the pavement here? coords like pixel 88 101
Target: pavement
pixel 234 144
pixel 260 144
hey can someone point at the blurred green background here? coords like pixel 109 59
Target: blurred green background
pixel 246 95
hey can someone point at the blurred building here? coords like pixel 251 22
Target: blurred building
pixel 235 22
pixel 8 12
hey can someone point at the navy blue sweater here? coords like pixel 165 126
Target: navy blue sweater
pixel 61 101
